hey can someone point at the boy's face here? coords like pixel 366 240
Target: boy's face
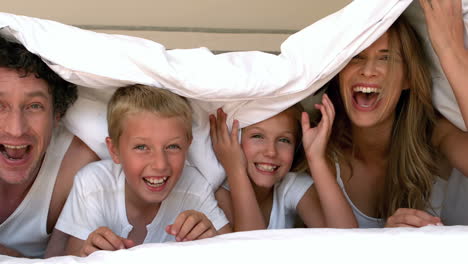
pixel 152 151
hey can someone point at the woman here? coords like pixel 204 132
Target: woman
pixel 387 136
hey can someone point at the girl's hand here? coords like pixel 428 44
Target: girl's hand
pixel 405 217
pixel 104 239
pixel 191 225
pixel 226 145
pixel 315 139
pixel 444 24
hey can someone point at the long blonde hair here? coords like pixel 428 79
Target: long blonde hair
pixel 411 171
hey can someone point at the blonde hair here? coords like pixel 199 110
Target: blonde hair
pixel 138 98
pixel 411 171
pixel 299 163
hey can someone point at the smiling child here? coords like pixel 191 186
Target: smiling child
pixel 146 193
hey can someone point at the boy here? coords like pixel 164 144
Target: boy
pixel 136 198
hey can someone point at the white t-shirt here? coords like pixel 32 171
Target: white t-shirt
pixel 286 195
pixel 98 199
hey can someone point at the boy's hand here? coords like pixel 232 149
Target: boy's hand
pixel 104 239
pixel 405 217
pixel 191 225
pixel 226 145
pixel 315 139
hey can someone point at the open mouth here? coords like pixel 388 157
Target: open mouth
pixel 266 167
pixel 366 97
pixel 155 182
pixel 14 152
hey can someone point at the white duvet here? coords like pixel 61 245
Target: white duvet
pixel 427 245
pixel 250 86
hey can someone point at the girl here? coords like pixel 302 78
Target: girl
pixel 387 136
pixel 263 193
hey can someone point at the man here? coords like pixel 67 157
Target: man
pixel 38 156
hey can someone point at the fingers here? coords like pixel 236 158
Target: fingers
pixel 235 131
pixel 191 225
pixel 328 113
pixel 219 131
pixel 329 106
pixel 128 243
pixel 213 130
pixel 305 122
pixel 175 228
pixel 87 250
pixel 221 123
pixel 104 239
pixel 198 229
pixel 438 7
pixel 405 217
pixel 425 4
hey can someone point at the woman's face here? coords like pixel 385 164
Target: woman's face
pixel 369 87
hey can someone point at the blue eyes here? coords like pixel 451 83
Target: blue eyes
pixel 140 147
pixel 35 107
pixel 174 146
pixel 282 139
pixel 170 147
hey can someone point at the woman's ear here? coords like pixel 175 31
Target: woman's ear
pixel 113 150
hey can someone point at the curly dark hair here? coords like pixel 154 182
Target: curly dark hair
pixel 16 56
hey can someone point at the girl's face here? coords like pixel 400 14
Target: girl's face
pixel 269 148
pixel 370 86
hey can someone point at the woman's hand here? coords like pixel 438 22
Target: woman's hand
pixel 405 217
pixel 444 24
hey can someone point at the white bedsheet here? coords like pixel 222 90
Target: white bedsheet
pixel 392 245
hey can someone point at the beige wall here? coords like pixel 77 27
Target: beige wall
pixel 220 25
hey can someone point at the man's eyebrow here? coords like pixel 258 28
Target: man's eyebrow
pixel 38 94
pixel 32 94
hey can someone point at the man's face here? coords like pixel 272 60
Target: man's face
pixel 26 123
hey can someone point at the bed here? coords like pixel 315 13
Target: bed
pixel 99 63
